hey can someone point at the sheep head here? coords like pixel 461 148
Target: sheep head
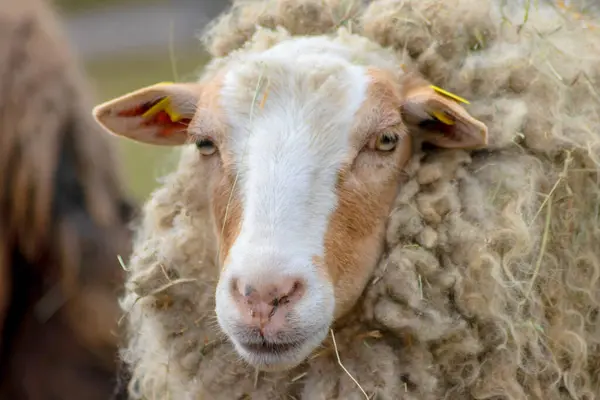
pixel 305 149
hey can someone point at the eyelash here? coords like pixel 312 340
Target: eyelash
pixel 392 139
pixel 206 146
pixel 370 142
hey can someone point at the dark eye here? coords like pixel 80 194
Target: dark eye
pixel 206 146
pixel 386 141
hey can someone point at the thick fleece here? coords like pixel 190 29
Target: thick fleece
pixel 489 287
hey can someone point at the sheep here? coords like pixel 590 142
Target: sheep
pixel 63 219
pixel 387 200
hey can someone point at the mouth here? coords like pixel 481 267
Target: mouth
pixel 273 356
pixel 269 354
pixel 266 348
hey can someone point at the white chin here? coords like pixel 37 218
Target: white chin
pixel 280 359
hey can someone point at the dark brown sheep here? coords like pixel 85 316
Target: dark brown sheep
pixel 63 220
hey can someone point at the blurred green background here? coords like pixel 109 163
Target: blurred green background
pixel 79 5
pixel 113 68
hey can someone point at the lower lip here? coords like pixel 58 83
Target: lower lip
pixel 273 348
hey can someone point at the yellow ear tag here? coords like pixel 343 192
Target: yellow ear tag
pixel 163 105
pixel 442 117
pixel 448 94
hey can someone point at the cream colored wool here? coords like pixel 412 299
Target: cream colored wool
pixel 489 287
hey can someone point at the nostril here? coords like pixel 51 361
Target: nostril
pixel 297 288
pixel 243 292
pixel 274 293
pixel 248 290
pixel 291 291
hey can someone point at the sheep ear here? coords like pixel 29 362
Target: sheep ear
pixel 436 117
pixel 157 114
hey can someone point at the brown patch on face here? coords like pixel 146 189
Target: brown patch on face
pixel 412 82
pixel 209 122
pixel 227 213
pixel 384 99
pixel 366 191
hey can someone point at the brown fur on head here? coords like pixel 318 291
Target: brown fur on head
pixel 304 150
pixel 63 220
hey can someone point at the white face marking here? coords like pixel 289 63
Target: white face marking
pixel 288 156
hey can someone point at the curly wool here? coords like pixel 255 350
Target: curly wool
pixel 489 286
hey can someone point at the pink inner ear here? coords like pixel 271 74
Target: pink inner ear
pixel 137 110
pixel 166 125
pixel 435 125
pixel 161 120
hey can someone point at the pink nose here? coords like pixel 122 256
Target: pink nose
pixel 265 305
